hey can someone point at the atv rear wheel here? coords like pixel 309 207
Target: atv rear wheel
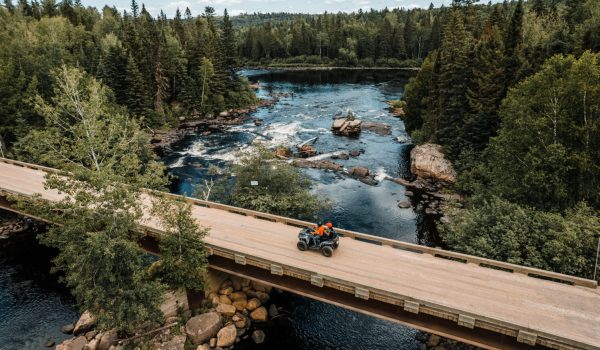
pixel 302 246
pixel 335 245
pixel 327 251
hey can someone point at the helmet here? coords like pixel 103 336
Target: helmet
pixel 329 225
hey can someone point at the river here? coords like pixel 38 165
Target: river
pixel 33 307
pixel 315 97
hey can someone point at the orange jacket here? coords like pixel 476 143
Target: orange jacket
pixel 321 231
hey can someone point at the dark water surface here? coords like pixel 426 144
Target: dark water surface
pixel 316 97
pixel 33 306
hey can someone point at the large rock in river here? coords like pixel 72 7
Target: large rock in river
pixel 203 327
pixel 427 160
pixel 346 127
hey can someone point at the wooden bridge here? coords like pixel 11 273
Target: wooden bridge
pixel 487 303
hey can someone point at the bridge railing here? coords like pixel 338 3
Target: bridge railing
pixel 415 248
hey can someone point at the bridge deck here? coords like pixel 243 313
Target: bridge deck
pixel 544 307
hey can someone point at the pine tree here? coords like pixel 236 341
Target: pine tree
pixel 453 82
pixel 138 99
pixel 539 7
pixel 512 46
pixel 228 43
pixel 410 35
pixel 486 91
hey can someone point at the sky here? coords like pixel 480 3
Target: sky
pixel 236 7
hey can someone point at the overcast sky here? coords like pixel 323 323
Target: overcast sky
pixel 240 6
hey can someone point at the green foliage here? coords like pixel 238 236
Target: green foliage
pixel 183 260
pixel 396 37
pixel 151 64
pixel 498 229
pixel 547 151
pixel 100 204
pixel 282 189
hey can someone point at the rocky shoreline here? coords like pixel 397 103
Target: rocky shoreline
pixel 237 311
pixel 161 140
pixel 12 225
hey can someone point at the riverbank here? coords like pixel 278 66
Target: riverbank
pixel 232 312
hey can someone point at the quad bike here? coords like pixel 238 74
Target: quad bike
pixel 308 241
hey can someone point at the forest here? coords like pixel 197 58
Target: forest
pixel 159 69
pixel 513 96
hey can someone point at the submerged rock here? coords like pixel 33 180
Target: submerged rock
pixel 378 128
pixel 258 336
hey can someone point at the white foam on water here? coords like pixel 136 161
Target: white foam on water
pixel 232 155
pixel 196 149
pixel 178 163
pixel 326 155
pixel 381 174
pixel 285 133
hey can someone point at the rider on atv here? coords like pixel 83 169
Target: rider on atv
pixel 323 230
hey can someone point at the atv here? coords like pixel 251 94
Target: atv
pixel 308 241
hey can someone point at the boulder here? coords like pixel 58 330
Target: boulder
pixel 258 336
pixel 434 340
pixel 319 164
pixel 342 156
pixel 378 128
pixel 240 321
pixel 215 301
pixel 240 304
pixel 224 299
pixel 108 339
pixel 226 283
pixel 346 127
pixel 203 327
pixel 86 322
pixel 404 205
pixel 253 304
pixel 227 310
pixel 354 153
pixel 226 336
pixel 359 172
pixel 224 114
pixel 273 312
pixel 236 296
pixel 260 315
pixel 203 347
pixel 262 296
pixel 73 344
pixel 68 328
pixel 427 160
pixel 92 345
pixel 49 343
pixel 226 291
pixel 213 342
pixel 283 152
pixel 306 151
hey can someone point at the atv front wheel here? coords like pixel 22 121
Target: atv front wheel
pixel 302 246
pixel 327 251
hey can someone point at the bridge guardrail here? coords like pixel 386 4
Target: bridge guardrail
pixel 435 252
pixel 409 304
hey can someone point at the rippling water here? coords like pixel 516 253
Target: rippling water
pixel 33 306
pixel 317 97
